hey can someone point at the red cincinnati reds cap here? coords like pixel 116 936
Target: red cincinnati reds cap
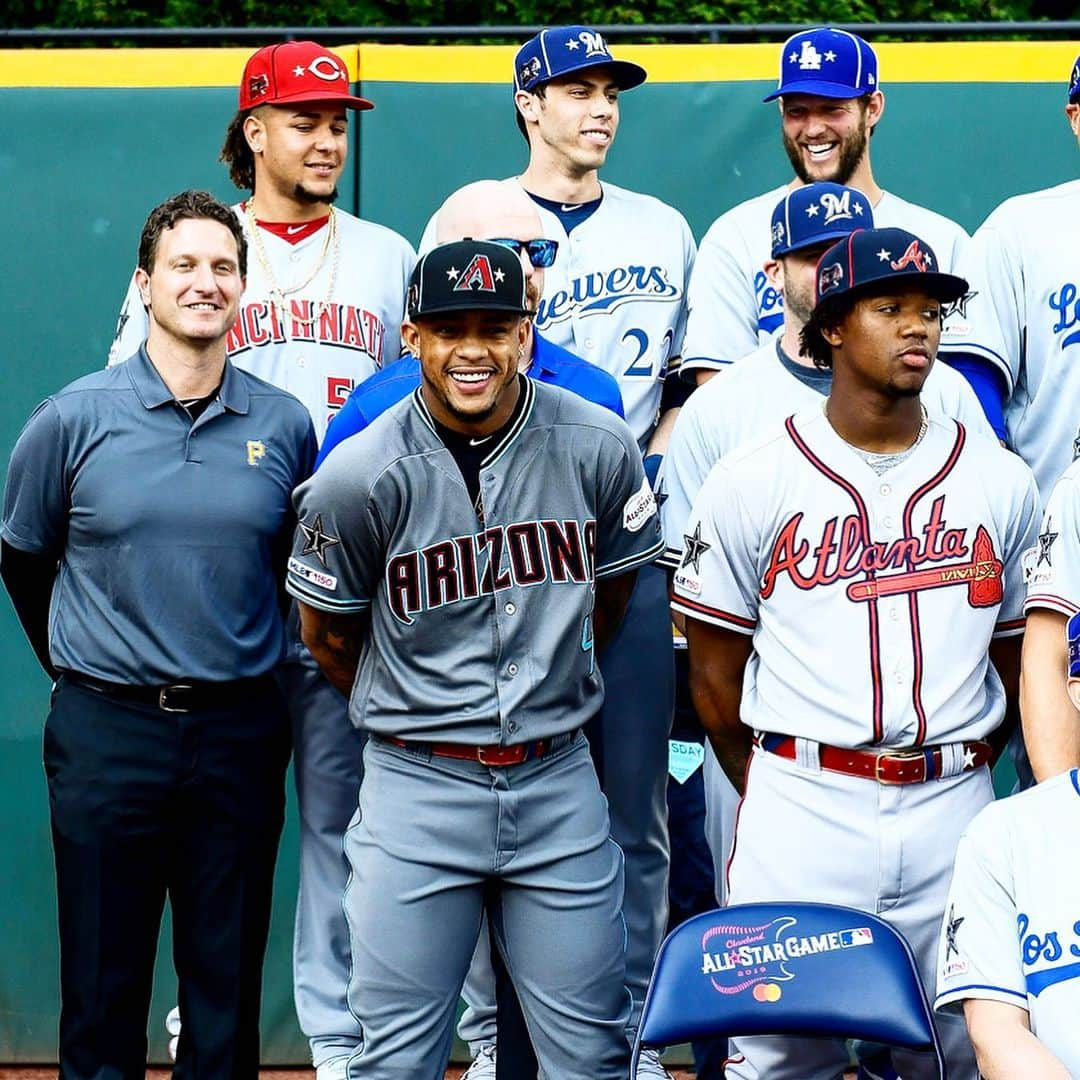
pixel 297 71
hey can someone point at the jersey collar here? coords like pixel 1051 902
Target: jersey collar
pixel 152 391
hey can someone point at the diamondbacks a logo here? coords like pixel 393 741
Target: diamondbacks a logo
pixel 914 256
pixel 759 959
pixel 476 277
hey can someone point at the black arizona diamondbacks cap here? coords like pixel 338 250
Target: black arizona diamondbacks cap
pixel 468 275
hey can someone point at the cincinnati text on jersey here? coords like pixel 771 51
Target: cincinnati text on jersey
pixel 466 567
pixel 599 292
pixel 261 323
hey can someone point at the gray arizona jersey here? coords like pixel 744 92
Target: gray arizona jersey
pixel 481 630
pixel 754 395
pixel 616 295
pixel 732 308
pixel 340 328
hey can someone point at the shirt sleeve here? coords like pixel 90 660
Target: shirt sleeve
pixel 1022 532
pixel 717 577
pixel 978 952
pixel 36 496
pixel 348 421
pixel 1052 562
pixel 986 382
pixel 131 327
pixel 686 464
pixel 627 526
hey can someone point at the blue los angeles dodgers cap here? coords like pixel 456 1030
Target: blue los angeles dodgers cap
pixel 872 261
pixel 1073 634
pixel 1074 83
pixel 562 50
pixel 827 62
pixel 818 214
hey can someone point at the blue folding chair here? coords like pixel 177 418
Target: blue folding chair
pixel 787 969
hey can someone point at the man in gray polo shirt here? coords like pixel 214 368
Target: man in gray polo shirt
pixel 146 521
pixel 459 562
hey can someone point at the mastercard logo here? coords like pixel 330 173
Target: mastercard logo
pixel 766 992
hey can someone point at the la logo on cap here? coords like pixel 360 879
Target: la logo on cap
pixel 476 277
pixel 809 59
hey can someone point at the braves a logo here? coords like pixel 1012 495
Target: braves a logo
pixel 914 256
pixel 477 276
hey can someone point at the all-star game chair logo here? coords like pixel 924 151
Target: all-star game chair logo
pixel 758 959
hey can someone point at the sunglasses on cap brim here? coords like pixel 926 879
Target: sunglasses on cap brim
pixel 541 252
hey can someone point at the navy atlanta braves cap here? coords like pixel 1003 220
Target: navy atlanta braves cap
pixel 565 49
pixel 818 214
pixel 872 261
pixel 1074 83
pixel 467 275
pixel 1073 634
pixel 827 62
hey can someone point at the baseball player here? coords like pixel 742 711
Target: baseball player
pixel 830 101
pixel 852 590
pixel 458 565
pixel 770 384
pixel 1010 937
pixel 320 313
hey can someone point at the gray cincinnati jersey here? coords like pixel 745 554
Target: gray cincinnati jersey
pixel 481 623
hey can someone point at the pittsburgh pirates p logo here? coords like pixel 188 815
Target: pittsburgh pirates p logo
pixel 255 451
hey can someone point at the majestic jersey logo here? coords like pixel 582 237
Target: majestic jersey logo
pixel 476 277
pixel 1065 303
pixel 263 323
pixel 599 292
pixel 841 555
pixel 525 553
pixel 914 256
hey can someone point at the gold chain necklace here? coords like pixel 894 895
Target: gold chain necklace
pixel 277 292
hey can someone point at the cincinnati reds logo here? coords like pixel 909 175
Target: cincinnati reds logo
pixel 478 276
pixel 841 554
pixel 761 958
pixel 327 69
pixel 914 256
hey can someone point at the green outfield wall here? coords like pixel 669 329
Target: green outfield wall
pixel 92 139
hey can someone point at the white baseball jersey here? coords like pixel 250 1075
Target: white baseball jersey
pixel 1010 931
pixel 327 341
pixel 754 396
pixel 732 306
pixel 1024 317
pixel 1052 566
pixel 850 582
pixel 616 295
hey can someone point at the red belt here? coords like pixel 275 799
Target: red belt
pixel 491 754
pixel 912 766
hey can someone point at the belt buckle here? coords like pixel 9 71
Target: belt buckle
pixel 498 756
pixel 163 698
pixel 892 755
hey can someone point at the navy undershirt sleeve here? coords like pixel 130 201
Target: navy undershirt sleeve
pixel 989 386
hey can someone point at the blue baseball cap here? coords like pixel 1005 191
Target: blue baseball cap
pixel 565 49
pixel 818 214
pixel 872 261
pixel 827 62
pixel 1073 635
pixel 1074 83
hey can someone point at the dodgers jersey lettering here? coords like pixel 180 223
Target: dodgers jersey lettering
pixel 1024 317
pixel 504 598
pixel 847 580
pixel 731 306
pixel 752 398
pixel 1012 922
pixel 616 295
pixel 322 346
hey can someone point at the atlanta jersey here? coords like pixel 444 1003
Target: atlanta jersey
pixel 850 581
pixel 1010 931
pixel 732 306
pixel 326 337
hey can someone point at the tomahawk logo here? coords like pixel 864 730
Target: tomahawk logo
pixel 476 277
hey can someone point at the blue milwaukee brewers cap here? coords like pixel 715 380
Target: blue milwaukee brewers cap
pixel 827 62
pixel 1073 634
pixel 873 261
pixel 818 214
pixel 565 49
pixel 468 275
pixel 1074 83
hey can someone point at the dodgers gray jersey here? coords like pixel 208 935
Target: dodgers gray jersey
pixel 731 306
pixel 323 339
pixel 1024 317
pixel 753 396
pixel 1010 931
pixel 481 627
pixel 851 582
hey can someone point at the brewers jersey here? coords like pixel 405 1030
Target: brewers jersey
pixel 498 592
pixel 333 333
pixel 1010 931
pixel 732 306
pixel 753 397
pixel 1024 317
pixel 849 580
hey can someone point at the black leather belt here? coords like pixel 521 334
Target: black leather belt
pixel 179 697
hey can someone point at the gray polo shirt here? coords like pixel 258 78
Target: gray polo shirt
pixel 164 527
pixel 481 628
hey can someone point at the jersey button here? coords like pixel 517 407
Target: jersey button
pixel 885 489
pixel 511 669
pixel 888 522
pixel 511 726
pixel 510 608
pixel 588 343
